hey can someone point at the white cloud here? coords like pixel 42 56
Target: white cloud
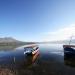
pixel 60 34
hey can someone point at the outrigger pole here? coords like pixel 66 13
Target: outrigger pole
pixel 70 39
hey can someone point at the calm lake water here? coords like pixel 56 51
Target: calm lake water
pixel 50 60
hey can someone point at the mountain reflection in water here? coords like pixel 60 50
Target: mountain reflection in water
pixel 50 60
pixel 15 64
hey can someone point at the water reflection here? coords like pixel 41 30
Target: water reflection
pixel 6 48
pixel 18 65
pixel 31 59
pixel 49 61
pixel 69 59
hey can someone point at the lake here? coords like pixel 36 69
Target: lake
pixel 50 60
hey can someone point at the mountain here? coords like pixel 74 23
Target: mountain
pixel 58 42
pixel 7 39
pixel 64 41
pixel 12 41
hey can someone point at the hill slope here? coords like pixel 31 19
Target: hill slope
pixel 12 41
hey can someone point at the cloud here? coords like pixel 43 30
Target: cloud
pixel 60 34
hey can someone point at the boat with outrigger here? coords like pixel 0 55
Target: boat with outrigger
pixel 69 50
pixel 31 49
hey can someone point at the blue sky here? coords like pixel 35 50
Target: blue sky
pixel 34 20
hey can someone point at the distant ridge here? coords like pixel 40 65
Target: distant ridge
pixel 7 39
pixel 12 41
pixel 58 42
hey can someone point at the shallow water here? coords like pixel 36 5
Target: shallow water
pixel 48 61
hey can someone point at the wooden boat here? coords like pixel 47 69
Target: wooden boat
pixel 31 49
pixel 69 50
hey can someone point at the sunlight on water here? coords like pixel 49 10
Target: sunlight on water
pixel 58 53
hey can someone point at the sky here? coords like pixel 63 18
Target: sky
pixel 37 20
